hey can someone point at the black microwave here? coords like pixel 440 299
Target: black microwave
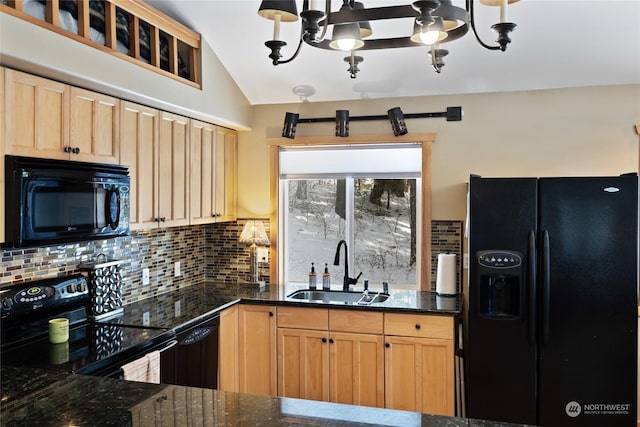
pixel 57 201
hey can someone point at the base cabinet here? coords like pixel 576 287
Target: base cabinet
pixel 326 360
pixel 397 361
pixel 419 364
pixel 247 359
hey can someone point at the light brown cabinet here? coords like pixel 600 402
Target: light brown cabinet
pixel 155 148
pixel 139 151
pixel 321 357
pixel 45 118
pixel 172 184
pixel 226 161
pixel 213 173
pixel 392 360
pixel 419 363
pixel 93 127
pixel 36 116
pixel 228 377
pixel 257 349
pixel 247 342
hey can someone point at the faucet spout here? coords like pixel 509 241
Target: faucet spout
pixel 347 281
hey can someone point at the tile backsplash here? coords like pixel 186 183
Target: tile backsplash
pixel 209 252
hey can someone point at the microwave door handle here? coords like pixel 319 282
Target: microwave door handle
pixel 111 221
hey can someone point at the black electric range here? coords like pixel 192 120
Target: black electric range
pixel 93 348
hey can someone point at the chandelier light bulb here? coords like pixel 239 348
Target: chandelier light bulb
pixel 346 45
pixel 429 37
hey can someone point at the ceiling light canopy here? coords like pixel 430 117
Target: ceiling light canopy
pixel 435 22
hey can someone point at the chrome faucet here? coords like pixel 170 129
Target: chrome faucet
pixel 347 281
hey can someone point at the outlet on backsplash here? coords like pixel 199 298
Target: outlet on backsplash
pixel 176 269
pixel 263 255
pixel 145 276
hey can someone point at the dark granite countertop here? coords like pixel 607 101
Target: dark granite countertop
pixel 68 399
pixel 197 302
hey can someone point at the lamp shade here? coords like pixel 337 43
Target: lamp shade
pixel 346 37
pixel 365 26
pixel 254 233
pixel 287 10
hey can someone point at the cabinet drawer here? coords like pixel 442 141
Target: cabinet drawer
pixel 356 321
pixel 303 318
pixel 418 325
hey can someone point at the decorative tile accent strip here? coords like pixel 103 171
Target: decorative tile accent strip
pixel 446 236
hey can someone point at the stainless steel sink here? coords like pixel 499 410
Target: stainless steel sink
pixel 362 298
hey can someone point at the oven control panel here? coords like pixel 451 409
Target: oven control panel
pixel 49 293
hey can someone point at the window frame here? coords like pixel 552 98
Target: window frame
pixel 425 140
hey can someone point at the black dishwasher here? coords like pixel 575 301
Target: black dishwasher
pixel 194 360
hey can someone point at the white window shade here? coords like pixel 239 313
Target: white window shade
pixel 398 160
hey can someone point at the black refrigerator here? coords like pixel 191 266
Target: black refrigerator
pixel 551 333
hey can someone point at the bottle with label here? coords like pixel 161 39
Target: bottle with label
pixel 326 278
pixel 312 277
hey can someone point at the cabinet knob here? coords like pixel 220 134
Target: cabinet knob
pixel 67 149
pixel 330 340
pixel 75 150
pixel 387 345
pixel 324 340
pixel 417 326
pixel 271 314
pixel 163 219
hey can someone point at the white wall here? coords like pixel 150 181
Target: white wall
pixel 39 51
pixel 583 131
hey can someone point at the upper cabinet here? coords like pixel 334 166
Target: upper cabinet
pixel 226 169
pixel 45 118
pixel 139 151
pixel 93 126
pixel 213 173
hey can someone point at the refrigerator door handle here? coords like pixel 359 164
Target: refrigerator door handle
pixel 546 286
pixel 532 287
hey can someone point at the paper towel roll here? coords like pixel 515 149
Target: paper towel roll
pixel 446 275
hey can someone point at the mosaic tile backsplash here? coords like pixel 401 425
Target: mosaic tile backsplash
pixel 210 252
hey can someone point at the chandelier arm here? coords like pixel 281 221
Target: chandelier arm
pixel 295 54
pixel 473 27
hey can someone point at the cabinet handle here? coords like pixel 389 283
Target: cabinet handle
pixel 163 219
pixel 417 326
pixel 67 149
pixel 331 341
pixel 387 345
pixel 75 150
pixel 271 314
pixel 324 340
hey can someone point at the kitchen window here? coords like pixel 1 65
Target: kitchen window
pixel 368 195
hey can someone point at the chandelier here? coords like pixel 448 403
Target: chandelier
pixel 435 22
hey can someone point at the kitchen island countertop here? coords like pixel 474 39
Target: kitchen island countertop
pixel 79 400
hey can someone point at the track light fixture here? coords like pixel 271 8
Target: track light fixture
pixel 395 116
pixel 435 22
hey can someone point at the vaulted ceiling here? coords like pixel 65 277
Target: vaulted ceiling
pixel 557 44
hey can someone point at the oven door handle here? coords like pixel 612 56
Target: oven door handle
pixel 171 344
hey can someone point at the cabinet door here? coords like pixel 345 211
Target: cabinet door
pixel 228 379
pixel 139 151
pixel 93 127
pixel 36 122
pixel 419 375
pixel 356 364
pixel 173 170
pixel 203 143
pixel 303 364
pixel 225 175
pixel 257 349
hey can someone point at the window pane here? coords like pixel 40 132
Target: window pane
pixel 385 231
pixel 313 227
